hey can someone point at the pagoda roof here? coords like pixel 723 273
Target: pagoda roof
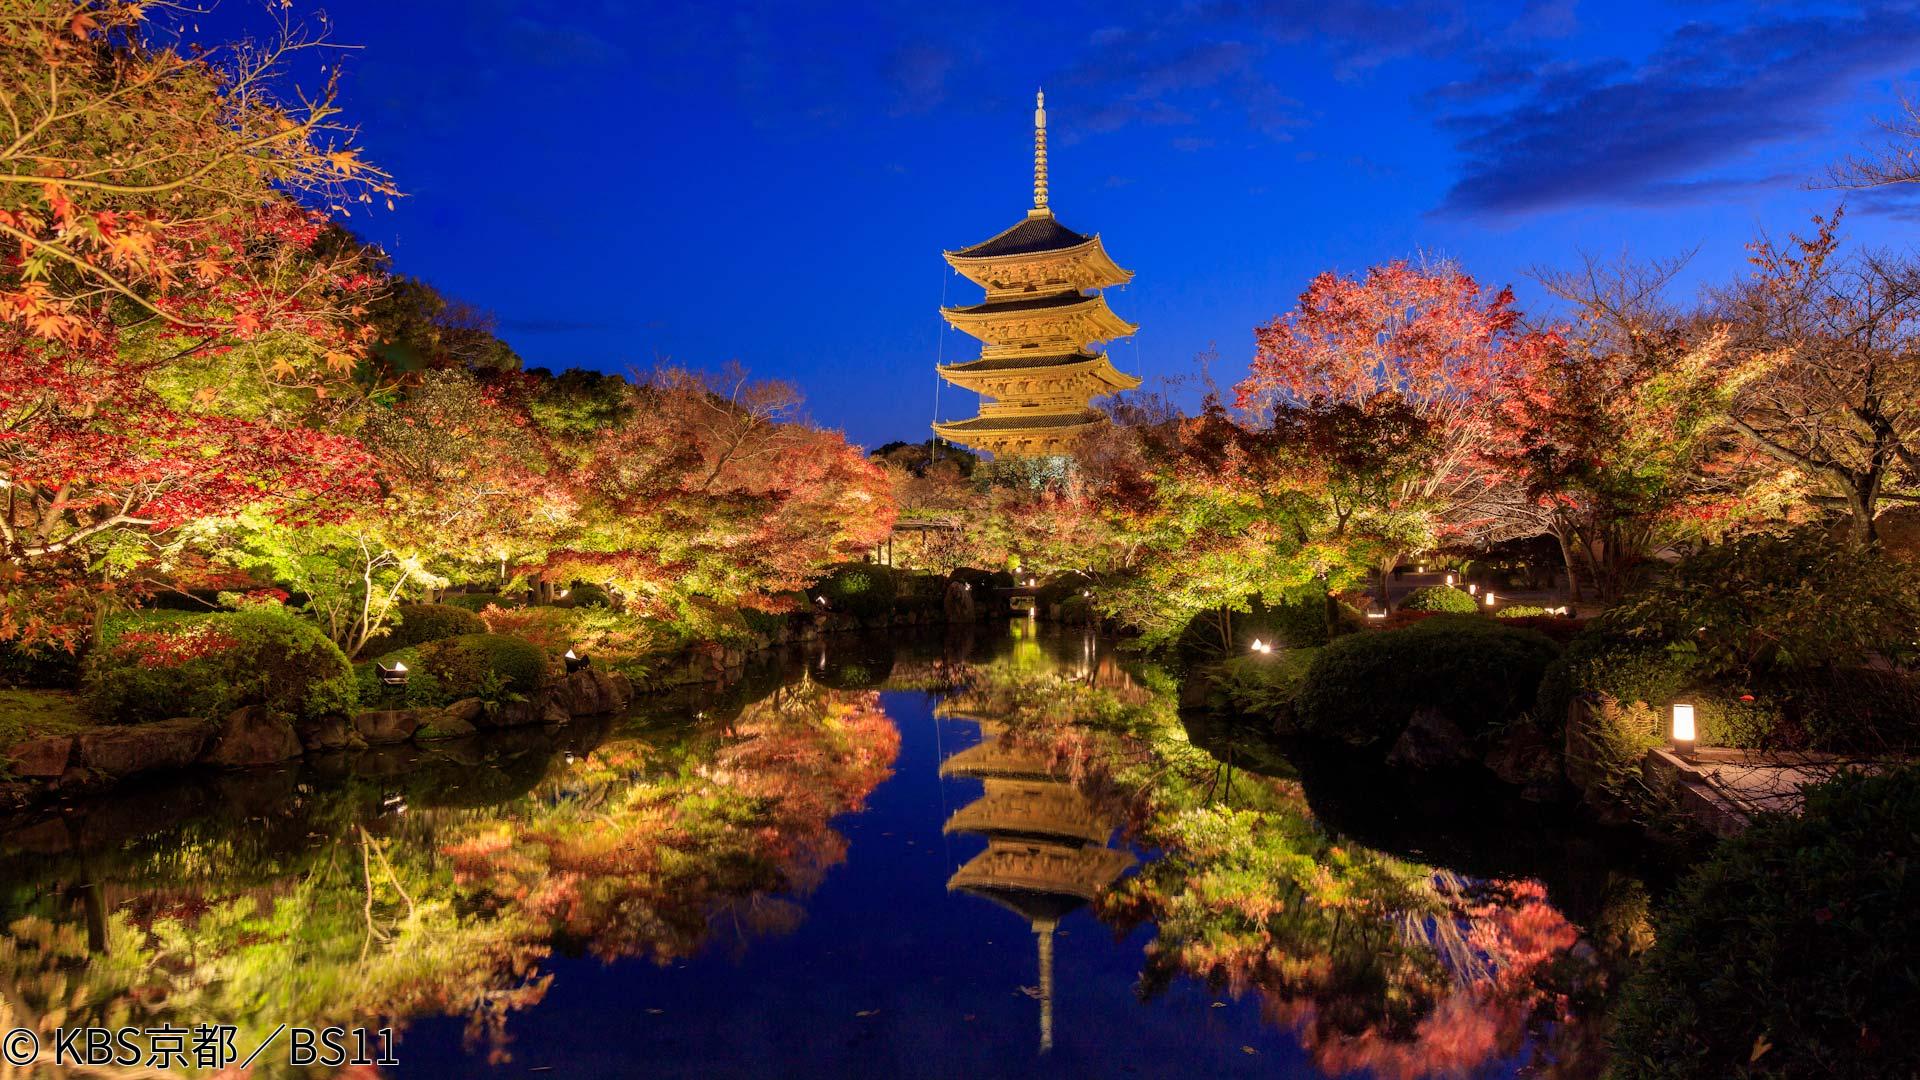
pixel 996 758
pixel 1033 808
pixel 1016 363
pixel 1062 870
pixel 1037 302
pixel 1035 233
pixel 1023 423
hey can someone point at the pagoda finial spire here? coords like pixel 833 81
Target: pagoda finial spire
pixel 1040 156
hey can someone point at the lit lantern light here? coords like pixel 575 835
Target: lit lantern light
pixel 564 592
pixel 1449 579
pixel 1683 738
pixel 568 756
pixel 576 662
pixel 1489 599
pixel 1261 646
pixel 1375 613
pixel 1473 590
pixel 395 675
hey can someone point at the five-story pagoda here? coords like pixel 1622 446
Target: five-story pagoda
pixel 1043 312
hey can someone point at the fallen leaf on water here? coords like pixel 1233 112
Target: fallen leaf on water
pixel 1218 1005
pixel 867 1012
pixel 1760 1048
pixel 1248 1050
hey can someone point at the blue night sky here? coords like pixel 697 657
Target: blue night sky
pixel 774 183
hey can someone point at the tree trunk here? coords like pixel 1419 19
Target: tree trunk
pixel 1573 573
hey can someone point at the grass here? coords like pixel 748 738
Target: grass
pixel 30 714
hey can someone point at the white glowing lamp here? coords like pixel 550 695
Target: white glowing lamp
pixel 1261 646
pixel 1489 599
pixel 1473 590
pixel 1449 579
pixel 1683 735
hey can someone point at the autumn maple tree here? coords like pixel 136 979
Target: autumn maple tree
pixel 158 207
pixel 1402 370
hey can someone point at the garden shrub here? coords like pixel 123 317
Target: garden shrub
pixel 1522 611
pixel 477 602
pixel 1363 688
pixel 486 666
pixel 1597 664
pixel 423 689
pixel 1790 951
pixel 585 594
pixel 1763 604
pixel 420 623
pixel 38 667
pixel 1443 598
pixel 157 665
pixel 863 590
pixel 924 594
pixel 1264 686
pixel 1560 628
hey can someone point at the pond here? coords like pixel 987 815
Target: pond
pixel 990 854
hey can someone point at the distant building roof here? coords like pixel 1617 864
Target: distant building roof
pixel 1033 234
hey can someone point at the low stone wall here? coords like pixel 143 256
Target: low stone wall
pixel 97 759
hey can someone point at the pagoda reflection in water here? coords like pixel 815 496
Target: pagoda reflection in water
pixel 1047 852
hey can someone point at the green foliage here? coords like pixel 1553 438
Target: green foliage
pixel 42 665
pixel 1522 611
pixel 28 714
pixel 420 623
pixel 1790 952
pixel 863 590
pixel 1763 604
pixel 487 666
pixel 1264 685
pixel 1443 598
pixel 480 601
pixel 1363 688
pixel 423 690
pixel 156 665
pixel 585 594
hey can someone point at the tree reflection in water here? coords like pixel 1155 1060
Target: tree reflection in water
pixel 444 884
pixel 1374 962
pixel 642 847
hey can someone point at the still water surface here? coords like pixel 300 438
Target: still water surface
pixel 997 855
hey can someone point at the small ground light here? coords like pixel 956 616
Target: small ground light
pixel 1375 613
pixel 395 675
pixel 1261 646
pixel 576 662
pixel 1683 730
pixel 1473 590
pixel 1489 599
pixel 1449 579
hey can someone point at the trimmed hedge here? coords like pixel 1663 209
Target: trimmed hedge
pixel 158 665
pixel 1364 688
pixel 486 666
pixel 1444 598
pixel 1790 952
pixel 863 590
pixel 421 623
